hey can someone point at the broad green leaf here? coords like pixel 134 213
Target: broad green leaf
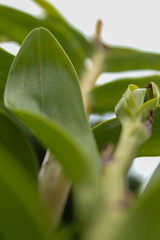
pixel 124 59
pixel 108 132
pixel 21 215
pixel 15 141
pixel 104 98
pixel 143 221
pixel 16 25
pixel 43 90
pixel 5 63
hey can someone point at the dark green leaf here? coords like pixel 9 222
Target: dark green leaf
pixel 143 221
pixel 104 98
pixel 21 215
pixel 124 59
pixel 16 25
pixel 108 132
pixel 5 63
pixel 16 143
pixel 43 90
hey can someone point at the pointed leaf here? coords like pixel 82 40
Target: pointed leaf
pixel 16 25
pixel 43 90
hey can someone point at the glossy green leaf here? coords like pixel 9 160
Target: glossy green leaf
pixel 5 63
pixel 16 25
pixel 124 59
pixel 21 215
pixel 15 141
pixel 104 98
pixel 109 131
pixel 143 221
pixel 43 90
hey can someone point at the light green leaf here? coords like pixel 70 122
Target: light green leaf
pixel 143 220
pixel 43 90
pixel 5 63
pixel 124 59
pixel 21 215
pixel 108 132
pixel 16 25
pixel 104 98
pixel 15 141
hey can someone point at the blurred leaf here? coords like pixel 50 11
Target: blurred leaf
pixel 21 216
pixel 51 10
pixel 109 131
pixel 43 90
pixel 5 63
pixel 16 143
pixel 104 98
pixel 16 25
pixel 125 59
pixel 143 221
pixel 52 16
pixel 155 180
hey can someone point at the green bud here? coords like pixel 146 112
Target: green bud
pixel 137 103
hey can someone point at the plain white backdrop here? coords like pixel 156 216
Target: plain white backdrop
pixel 125 23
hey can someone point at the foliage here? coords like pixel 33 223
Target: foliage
pixel 46 95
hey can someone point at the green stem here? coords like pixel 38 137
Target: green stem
pixel 87 82
pixel 54 187
pixel 114 199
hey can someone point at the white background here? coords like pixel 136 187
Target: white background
pixel 133 23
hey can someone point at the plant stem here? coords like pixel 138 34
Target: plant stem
pixel 54 188
pixel 114 205
pixel 87 82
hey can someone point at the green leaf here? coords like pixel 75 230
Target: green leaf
pixel 143 221
pixel 51 11
pixel 104 98
pixel 15 141
pixel 109 131
pixel 125 59
pixel 43 90
pixel 21 215
pixel 16 25
pixel 155 180
pixel 5 63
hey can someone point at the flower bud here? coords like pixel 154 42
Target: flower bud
pixel 137 103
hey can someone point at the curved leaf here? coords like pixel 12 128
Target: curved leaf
pixel 124 59
pixel 108 132
pixel 43 90
pixel 21 215
pixel 5 63
pixel 16 143
pixel 104 98
pixel 143 221
pixel 16 25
